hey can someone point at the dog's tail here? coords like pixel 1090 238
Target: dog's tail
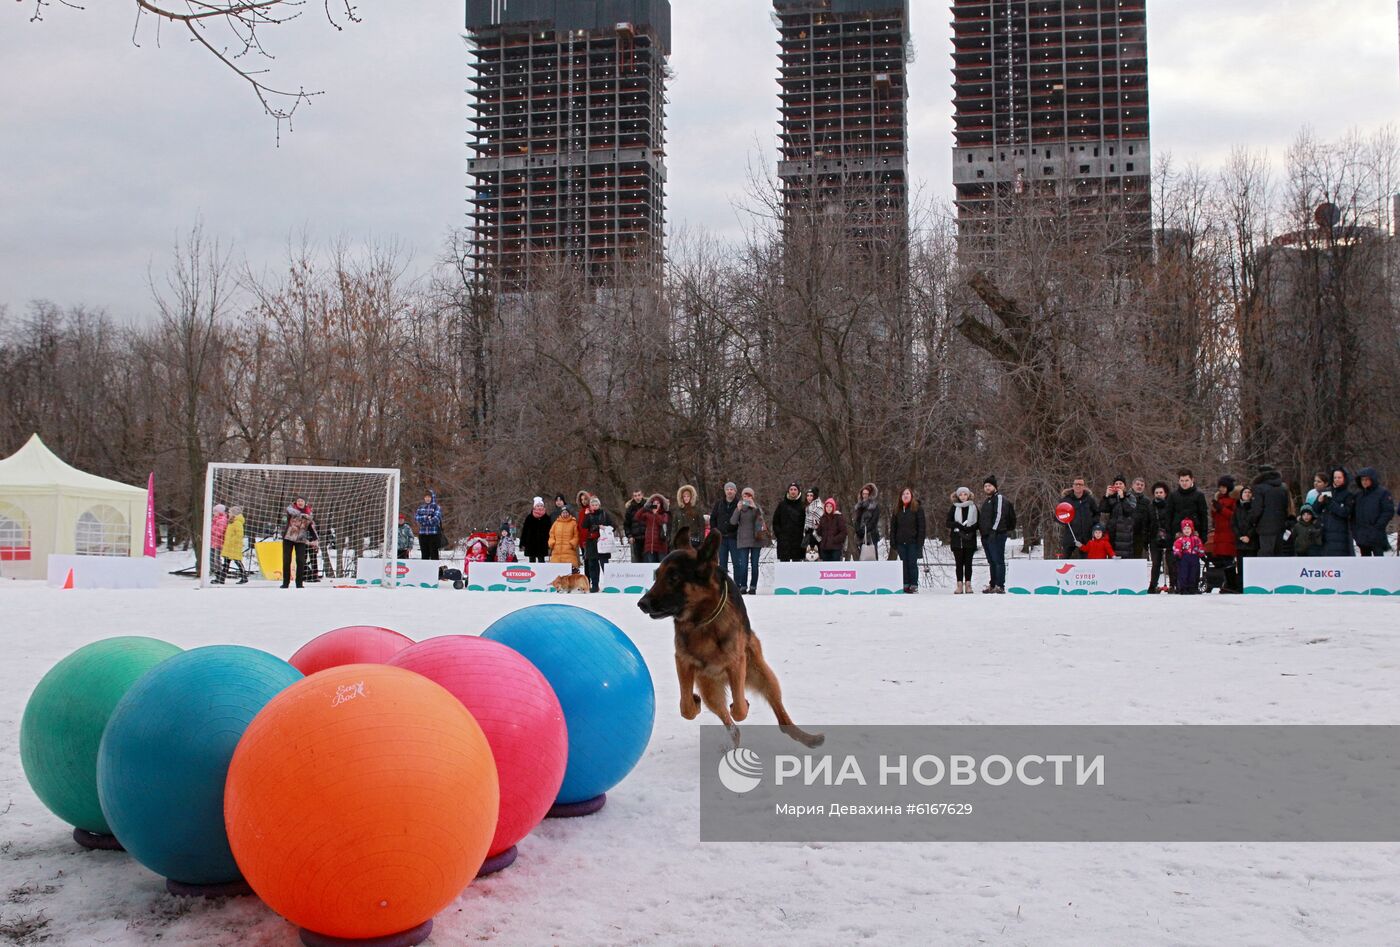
pixel 764 682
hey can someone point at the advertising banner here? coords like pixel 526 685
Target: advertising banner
pixel 628 578
pixel 1339 575
pixel 1078 576
pixel 516 576
pixel 102 572
pixel 412 573
pixel 838 578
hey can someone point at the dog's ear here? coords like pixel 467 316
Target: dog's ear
pixel 709 549
pixel 682 538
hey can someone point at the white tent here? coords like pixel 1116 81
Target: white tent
pixel 47 507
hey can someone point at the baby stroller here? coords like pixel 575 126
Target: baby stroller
pixel 1220 573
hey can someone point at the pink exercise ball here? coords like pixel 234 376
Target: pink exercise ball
pixel 353 644
pixel 519 714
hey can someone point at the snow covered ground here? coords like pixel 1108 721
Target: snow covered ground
pixel 637 873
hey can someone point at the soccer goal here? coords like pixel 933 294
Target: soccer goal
pixel 354 511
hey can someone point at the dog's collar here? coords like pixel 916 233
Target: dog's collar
pixel 723 601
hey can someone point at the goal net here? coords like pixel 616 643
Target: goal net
pixel 354 512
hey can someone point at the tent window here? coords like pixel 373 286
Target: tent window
pixel 102 531
pixel 14 534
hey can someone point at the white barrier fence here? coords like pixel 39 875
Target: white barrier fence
pixel 411 573
pixel 838 578
pixel 1331 575
pixel 515 576
pixel 103 572
pixel 1078 576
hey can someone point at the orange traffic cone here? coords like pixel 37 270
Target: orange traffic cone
pixel 68 582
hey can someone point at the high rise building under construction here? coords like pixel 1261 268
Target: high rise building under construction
pixel 1050 100
pixel 843 97
pixel 567 156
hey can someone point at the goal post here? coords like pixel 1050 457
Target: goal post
pixel 354 512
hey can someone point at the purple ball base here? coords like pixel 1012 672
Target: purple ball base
pixel 226 889
pixel 97 841
pixel 408 938
pixel 497 862
pixel 572 810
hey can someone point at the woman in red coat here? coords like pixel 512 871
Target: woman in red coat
pixel 1222 543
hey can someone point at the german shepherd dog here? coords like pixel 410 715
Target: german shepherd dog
pixel 715 644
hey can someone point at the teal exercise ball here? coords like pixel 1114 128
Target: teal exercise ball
pixel 165 756
pixel 603 686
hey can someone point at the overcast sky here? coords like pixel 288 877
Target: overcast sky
pixel 109 150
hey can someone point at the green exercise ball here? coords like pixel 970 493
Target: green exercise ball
pixel 65 717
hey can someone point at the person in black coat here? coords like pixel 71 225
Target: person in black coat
pixel 534 533
pixel 1159 534
pixel 1338 511
pixel 1270 511
pixel 634 530
pixel 1120 517
pixel 907 535
pixel 996 520
pixel 1079 530
pixel 1372 512
pixel 789 517
pixel 962 537
pixel 1243 522
pixel 1187 503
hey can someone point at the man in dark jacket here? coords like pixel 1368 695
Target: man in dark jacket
pixel 1079 530
pixel 1338 511
pixel 1371 513
pixel 1270 511
pixel 788 518
pixel 1120 517
pixel 720 515
pixel 996 519
pixel 1141 501
pixel 1186 503
pixel 1159 538
pixel 636 532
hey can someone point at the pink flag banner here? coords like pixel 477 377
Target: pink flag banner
pixel 151 515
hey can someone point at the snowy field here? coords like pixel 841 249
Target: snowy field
pixel 637 873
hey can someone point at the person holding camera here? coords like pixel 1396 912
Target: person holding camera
pixel 655 516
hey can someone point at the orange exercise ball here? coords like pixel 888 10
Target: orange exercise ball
pixel 361 801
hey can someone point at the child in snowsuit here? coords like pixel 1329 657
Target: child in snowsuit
pixel 1099 547
pixel 1188 550
pixel 405 537
pixel 217 527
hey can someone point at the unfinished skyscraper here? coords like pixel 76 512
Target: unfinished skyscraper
pixel 843 136
pixel 567 149
pixel 1050 100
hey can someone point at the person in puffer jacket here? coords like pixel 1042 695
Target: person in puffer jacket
pixel 404 537
pixel 1271 511
pixel 218 525
pixel 1307 533
pixel 686 513
pixel 1120 517
pixel 831 532
pixel 1372 512
pixel 429 519
pixel 1338 512
pixel 655 518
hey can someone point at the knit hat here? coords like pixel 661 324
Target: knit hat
pixel 219 508
pixel 537 501
pixel 1226 481
pixel 729 485
pixel 795 486
pixel 1098 528
pixel 962 490
pixel 403 517
pixel 830 502
pixel 990 478
pixel 1119 478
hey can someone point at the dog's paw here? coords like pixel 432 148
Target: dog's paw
pixel 690 709
pixel 739 709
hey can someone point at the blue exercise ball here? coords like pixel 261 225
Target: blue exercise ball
pixel 165 755
pixel 602 683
